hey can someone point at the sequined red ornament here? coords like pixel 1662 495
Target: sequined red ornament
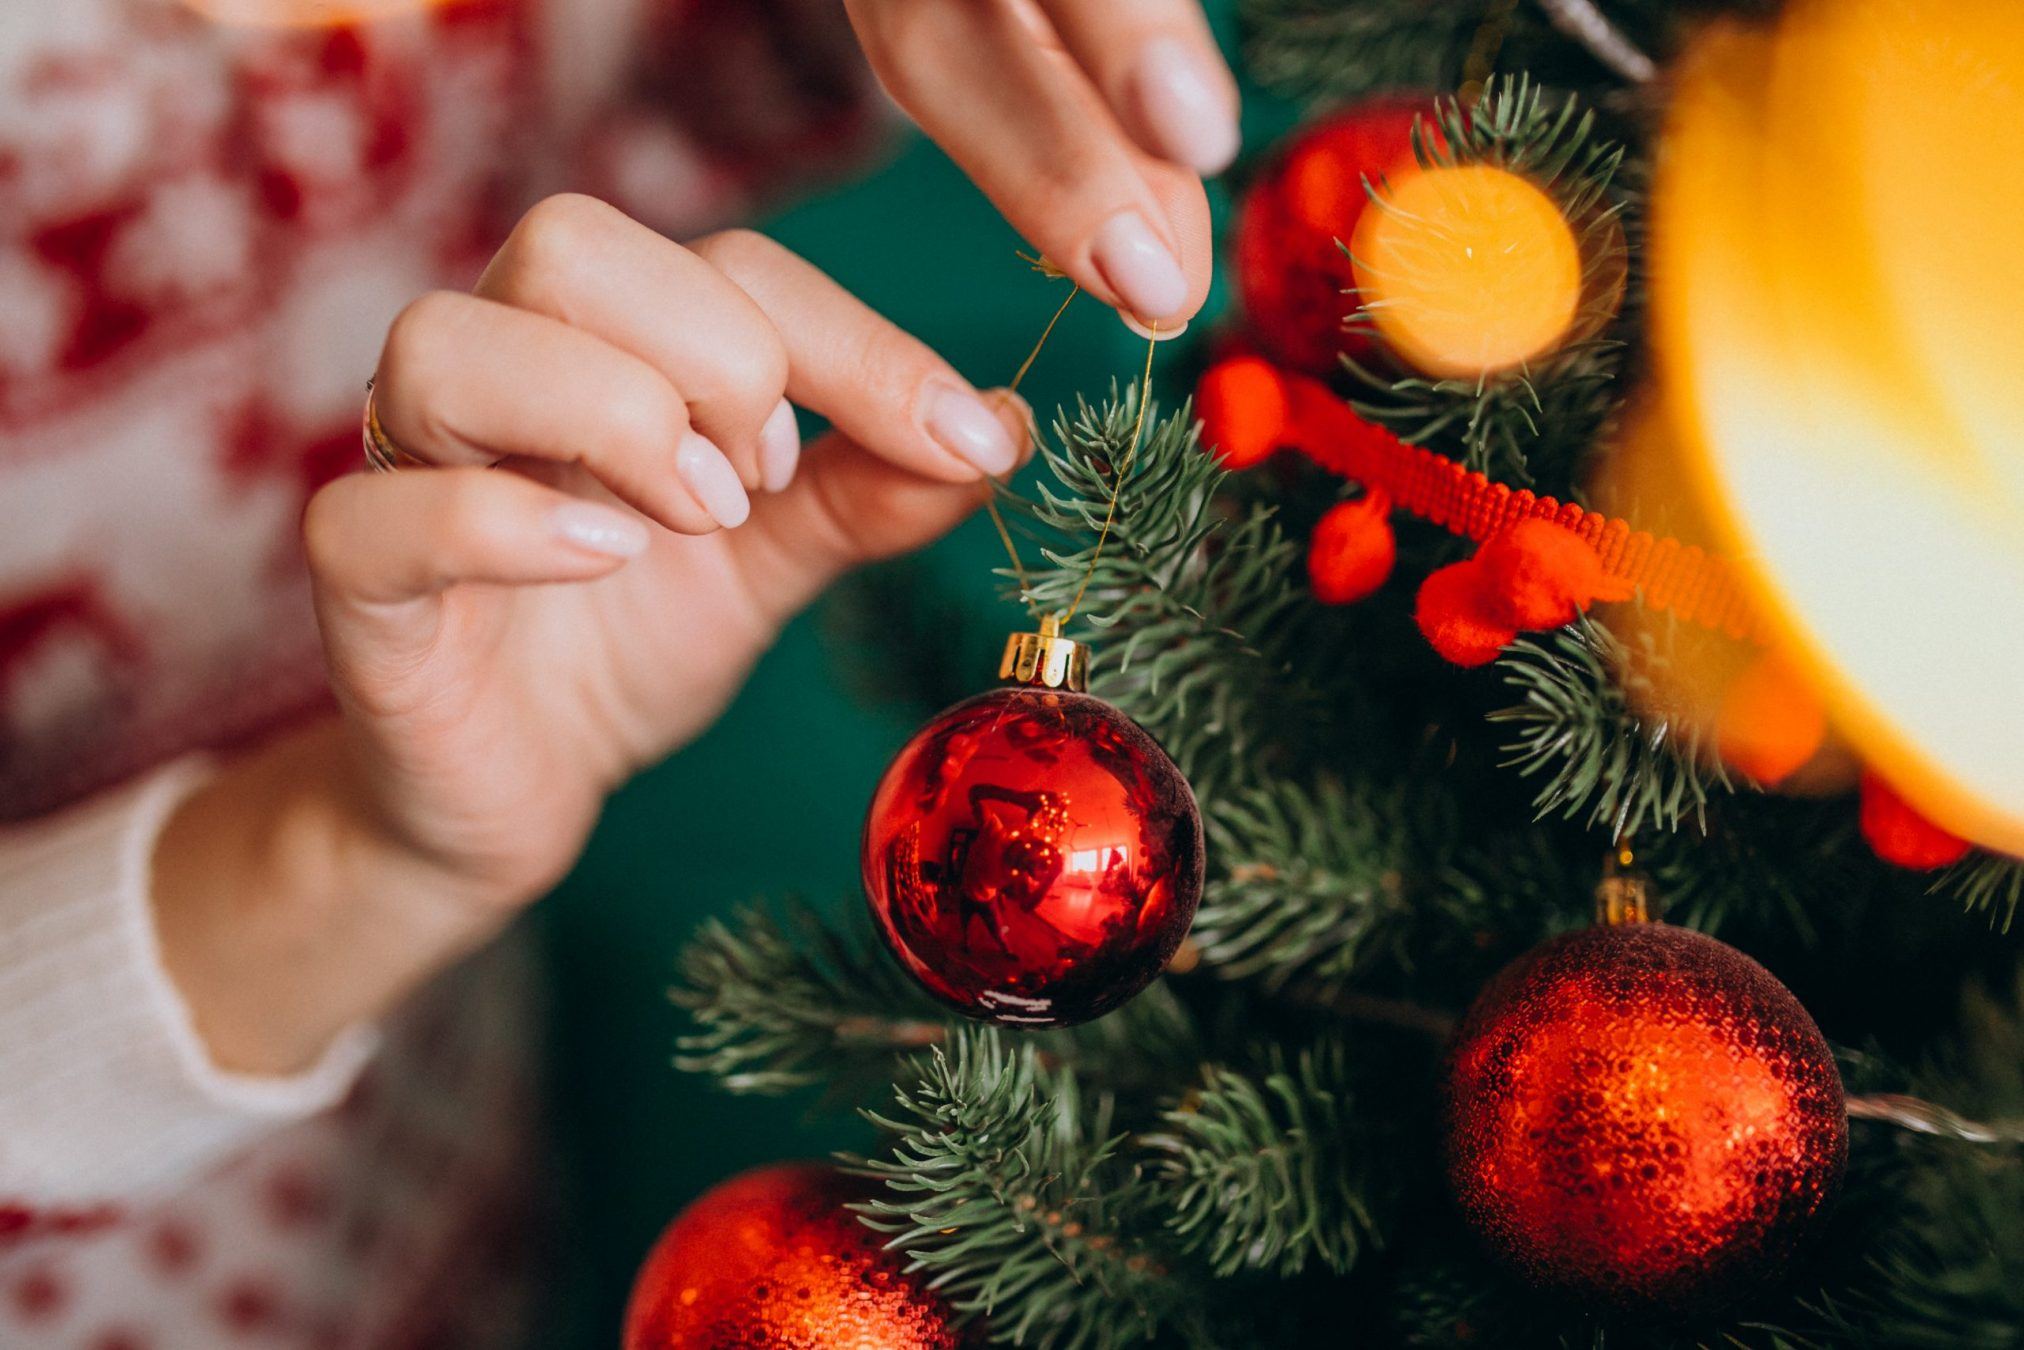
pixel 1643 1119
pixel 1032 856
pixel 772 1260
pixel 1291 271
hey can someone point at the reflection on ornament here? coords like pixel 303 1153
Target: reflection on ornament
pixel 1835 273
pixel 1032 856
pixel 1642 1118
pixel 1467 269
pixel 774 1260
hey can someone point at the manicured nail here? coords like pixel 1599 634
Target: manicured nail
pixel 599 529
pixel 1185 107
pixel 779 448
pixel 1138 267
pixel 704 470
pixel 1167 332
pixel 965 426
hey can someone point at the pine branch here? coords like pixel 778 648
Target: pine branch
pixel 1002 1183
pixel 1192 609
pixel 1986 881
pixel 1268 1172
pixel 1593 729
pixel 1773 863
pixel 782 1003
pixel 1307 883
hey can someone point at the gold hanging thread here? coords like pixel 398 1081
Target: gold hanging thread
pixel 1138 426
pixel 1033 432
pixel 1117 484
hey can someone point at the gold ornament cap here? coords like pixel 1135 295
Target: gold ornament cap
pixel 1046 658
pixel 1624 895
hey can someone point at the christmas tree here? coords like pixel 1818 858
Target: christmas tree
pixel 1439 681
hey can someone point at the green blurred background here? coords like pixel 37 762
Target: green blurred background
pixel 770 801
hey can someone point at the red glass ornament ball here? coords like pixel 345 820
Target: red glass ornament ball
pixel 1032 857
pixel 1291 274
pixel 772 1260
pixel 1644 1119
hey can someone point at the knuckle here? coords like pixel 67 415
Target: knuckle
pixel 644 416
pixel 417 335
pixel 418 368
pixel 891 367
pixel 549 241
pixel 733 250
pixel 903 43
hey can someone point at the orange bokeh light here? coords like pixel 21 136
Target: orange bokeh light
pixel 1467 269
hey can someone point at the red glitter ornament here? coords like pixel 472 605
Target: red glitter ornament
pixel 1642 1118
pixel 772 1260
pixel 1291 272
pixel 1032 856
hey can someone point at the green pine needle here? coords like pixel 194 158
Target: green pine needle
pixel 782 1001
pixel 1003 1186
pixel 1588 731
pixel 1192 610
pixel 1266 1173
pixel 1986 882
pixel 1307 883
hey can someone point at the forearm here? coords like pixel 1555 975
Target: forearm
pixel 285 914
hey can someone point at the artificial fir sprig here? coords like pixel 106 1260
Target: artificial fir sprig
pixel 1592 729
pixel 1193 609
pixel 1986 883
pixel 1004 1185
pixel 782 1000
pixel 1269 1171
pixel 1307 882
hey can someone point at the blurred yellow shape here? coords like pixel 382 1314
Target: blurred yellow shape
pixel 1467 270
pixel 1838 274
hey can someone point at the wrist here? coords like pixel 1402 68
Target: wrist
pixel 287 912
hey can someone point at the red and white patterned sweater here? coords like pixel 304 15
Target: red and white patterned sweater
pixel 204 230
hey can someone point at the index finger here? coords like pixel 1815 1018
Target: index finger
pixel 882 387
pixel 1156 64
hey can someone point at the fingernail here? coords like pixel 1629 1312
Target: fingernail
pixel 1138 267
pixel 964 426
pixel 704 470
pixel 1165 332
pixel 1007 403
pixel 779 448
pixel 1186 108
pixel 600 529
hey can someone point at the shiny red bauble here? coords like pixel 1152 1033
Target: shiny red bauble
pixel 1291 273
pixel 1032 857
pixel 773 1260
pixel 1643 1119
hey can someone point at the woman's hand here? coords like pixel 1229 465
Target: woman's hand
pixel 508 644
pixel 1088 122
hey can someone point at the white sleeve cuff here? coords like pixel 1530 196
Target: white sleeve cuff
pixel 106 1089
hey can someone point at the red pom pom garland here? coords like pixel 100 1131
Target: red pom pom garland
pixel 1452 613
pixel 1352 550
pixel 1662 573
pixel 1540 574
pixel 1243 406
